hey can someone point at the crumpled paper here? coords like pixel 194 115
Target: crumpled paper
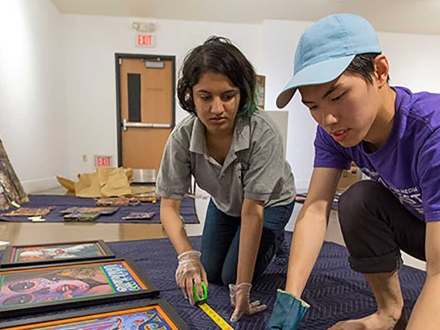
pixel 105 182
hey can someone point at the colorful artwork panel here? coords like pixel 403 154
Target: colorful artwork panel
pixel 21 255
pixel 62 286
pixel 154 314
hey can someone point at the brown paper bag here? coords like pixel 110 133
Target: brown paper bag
pixel 113 182
pixel 88 185
pixel 105 182
pixel 68 184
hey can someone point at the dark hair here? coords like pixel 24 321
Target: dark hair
pixel 218 55
pixel 363 66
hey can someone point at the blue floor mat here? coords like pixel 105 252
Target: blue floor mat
pixel 334 291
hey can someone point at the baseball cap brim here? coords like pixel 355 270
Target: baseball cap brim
pixel 314 74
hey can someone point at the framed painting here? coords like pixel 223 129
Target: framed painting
pixel 29 212
pixel 12 193
pixel 29 290
pixel 260 91
pixel 101 210
pixel 39 254
pixel 154 314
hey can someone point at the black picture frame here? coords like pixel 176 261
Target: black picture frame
pixel 69 318
pixel 31 290
pixel 43 254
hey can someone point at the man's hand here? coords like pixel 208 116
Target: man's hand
pixel 287 312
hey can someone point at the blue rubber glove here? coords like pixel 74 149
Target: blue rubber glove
pixel 287 312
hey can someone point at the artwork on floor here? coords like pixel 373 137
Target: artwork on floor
pixel 37 254
pixel 139 216
pixel 29 290
pixel 154 314
pixel 260 91
pixel 81 217
pixel 29 212
pixel 100 210
pixel 150 199
pixel 116 201
pixel 11 191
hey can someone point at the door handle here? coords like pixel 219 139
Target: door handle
pixel 126 124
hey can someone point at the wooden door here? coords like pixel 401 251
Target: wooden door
pixel 146 106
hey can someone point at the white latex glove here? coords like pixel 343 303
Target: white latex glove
pixel 189 272
pixel 240 296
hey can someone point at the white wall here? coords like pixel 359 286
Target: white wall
pixel 32 111
pixel 414 60
pixel 91 44
pixel 58 90
pixel 279 43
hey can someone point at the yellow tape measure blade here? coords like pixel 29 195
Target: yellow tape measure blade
pixel 222 324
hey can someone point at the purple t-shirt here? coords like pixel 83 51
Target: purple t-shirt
pixel 408 164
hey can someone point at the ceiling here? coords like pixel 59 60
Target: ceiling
pixel 407 16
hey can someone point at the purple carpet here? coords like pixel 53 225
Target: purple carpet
pixel 187 209
pixel 334 291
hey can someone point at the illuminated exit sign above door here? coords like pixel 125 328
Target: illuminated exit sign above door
pixel 145 40
pixel 103 161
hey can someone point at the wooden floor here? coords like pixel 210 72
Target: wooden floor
pixel 19 233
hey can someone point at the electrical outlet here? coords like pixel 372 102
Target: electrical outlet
pixel 84 158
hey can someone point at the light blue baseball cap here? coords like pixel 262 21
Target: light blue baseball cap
pixel 326 49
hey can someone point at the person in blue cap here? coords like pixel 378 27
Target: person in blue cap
pixel 393 135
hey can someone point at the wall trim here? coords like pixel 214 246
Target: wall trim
pixel 32 186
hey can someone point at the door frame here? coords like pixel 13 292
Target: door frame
pixel 118 57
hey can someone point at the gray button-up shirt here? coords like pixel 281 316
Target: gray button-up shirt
pixel 255 167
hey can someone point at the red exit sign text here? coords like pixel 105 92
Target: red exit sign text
pixel 145 40
pixel 103 161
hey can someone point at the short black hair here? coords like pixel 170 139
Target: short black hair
pixel 363 67
pixel 218 55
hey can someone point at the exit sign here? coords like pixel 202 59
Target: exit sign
pixel 145 40
pixel 103 161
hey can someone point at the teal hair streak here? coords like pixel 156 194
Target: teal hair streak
pixel 250 107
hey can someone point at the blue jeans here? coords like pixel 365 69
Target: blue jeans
pixel 221 236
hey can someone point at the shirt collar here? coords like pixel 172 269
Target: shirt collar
pixel 242 130
pixel 198 143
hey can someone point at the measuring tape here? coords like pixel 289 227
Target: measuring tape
pixel 222 324
pixel 212 314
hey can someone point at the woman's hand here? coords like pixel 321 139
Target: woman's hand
pixel 189 272
pixel 240 295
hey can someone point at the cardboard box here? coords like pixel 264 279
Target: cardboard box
pixel 349 177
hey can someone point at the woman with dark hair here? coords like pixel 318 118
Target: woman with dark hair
pixel 235 153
